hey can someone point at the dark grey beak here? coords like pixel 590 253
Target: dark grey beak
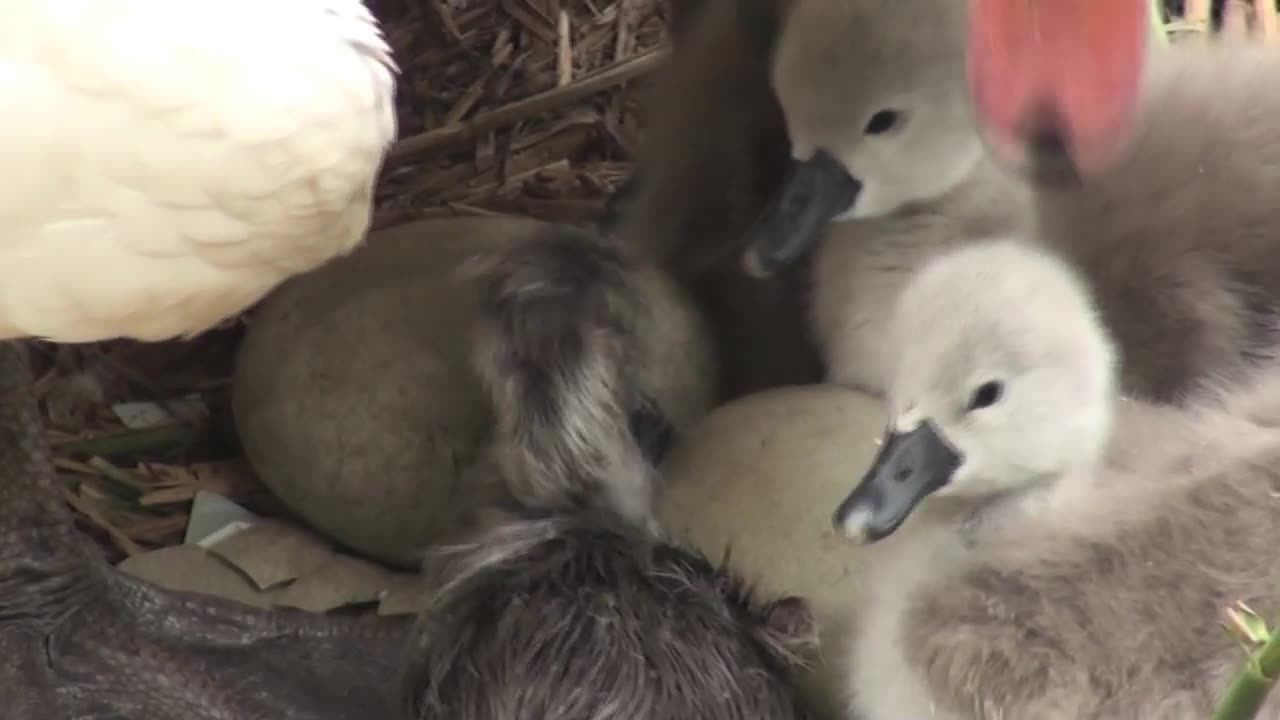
pixel 907 469
pixel 813 192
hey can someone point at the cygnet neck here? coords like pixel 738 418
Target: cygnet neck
pixel 973 517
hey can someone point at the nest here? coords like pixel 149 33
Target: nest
pixel 515 107
pixel 1257 17
pixel 506 107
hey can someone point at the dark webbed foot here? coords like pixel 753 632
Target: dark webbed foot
pixel 144 652
pixel 80 640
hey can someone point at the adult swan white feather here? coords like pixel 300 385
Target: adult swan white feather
pixel 168 162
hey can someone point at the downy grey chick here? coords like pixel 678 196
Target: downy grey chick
pixel 888 169
pixel 578 615
pixel 583 351
pixel 1043 550
pixel 1170 236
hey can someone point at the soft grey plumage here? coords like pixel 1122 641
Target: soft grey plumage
pixel 1177 239
pixel 884 144
pixel 1173 240
pixel 579 616
pixel 713 152
pixel 1040 550
pixel 566 602
pixel 581 350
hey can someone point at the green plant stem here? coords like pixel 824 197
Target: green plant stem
pixel 1249 690
pixel 130 442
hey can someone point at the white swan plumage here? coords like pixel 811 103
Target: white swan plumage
pixel 168 162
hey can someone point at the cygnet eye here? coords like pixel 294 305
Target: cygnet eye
pixel 882 122
pixel 987 394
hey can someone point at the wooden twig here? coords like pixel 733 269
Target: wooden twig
pixel 446 19
pixel 468 100
pixel 1195 15
pixel 158 530
pixel 470 195
pixel 532 19
pixel 1235 22
pixel 502 48
pixel 523 165
pixel 458 134
pixel 1264 11
pixel 472 211
pixel 118 538
pixel 624 40
pixel 564 51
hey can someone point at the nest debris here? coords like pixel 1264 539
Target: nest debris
pixel 515 107
pixel 506 107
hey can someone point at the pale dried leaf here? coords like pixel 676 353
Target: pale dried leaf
pixel 272 552
pixel 191 568
pixel 340 580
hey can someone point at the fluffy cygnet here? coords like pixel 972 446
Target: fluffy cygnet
pixel 1175 245
pixel 579 348
pixel 1178 247
pixel 1029 561
pixel 579 616
pixel 888 169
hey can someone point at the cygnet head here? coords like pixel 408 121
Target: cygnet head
pixel 877 111
pixel 1003 377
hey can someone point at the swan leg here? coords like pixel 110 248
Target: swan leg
pixel 79 639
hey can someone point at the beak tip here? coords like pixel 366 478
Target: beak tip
pixel 811 195
pixel 853 524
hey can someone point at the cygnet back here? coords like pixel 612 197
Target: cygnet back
pixel 1179 238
